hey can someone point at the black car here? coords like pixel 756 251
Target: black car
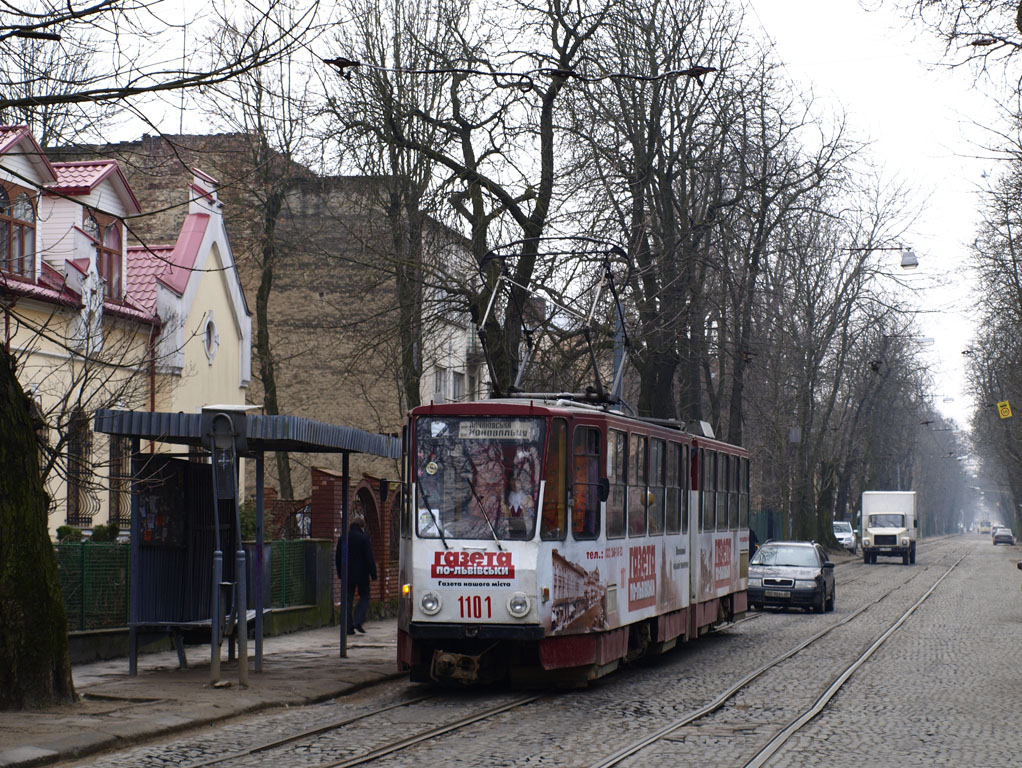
pixel 791 573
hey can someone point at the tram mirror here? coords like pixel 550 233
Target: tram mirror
pixel 604 489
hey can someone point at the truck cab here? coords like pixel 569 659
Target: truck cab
pixel 889 525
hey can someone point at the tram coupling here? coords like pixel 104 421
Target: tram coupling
pixel 465 668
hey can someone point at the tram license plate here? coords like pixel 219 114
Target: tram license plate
pixel 775 593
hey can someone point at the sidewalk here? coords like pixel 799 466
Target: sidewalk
pixel 117 710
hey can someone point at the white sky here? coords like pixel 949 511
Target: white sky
pixel 922 121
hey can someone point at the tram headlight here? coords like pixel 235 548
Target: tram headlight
pixel 518 604
pixel 430 603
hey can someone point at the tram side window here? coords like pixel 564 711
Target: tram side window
pixel 723 465
pixel 554 525
pixel 617 461
pixel 685 462
pixel 707 485
pixel 585 488
pixel 743 495
pixel 674 483
pixel 637 485
pixel 733 490
pixel 655 497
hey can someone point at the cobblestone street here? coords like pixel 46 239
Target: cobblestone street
pixel 940 691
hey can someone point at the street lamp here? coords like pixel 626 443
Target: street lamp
pixel 909 260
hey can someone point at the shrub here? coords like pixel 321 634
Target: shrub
pixel 68 533
pixel 105 532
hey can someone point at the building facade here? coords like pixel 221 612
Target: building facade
pixel 94 322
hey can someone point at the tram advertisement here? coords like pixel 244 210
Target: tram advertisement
pixel 722 562
pixel 472 565
pixel 641 577
pixel 579 601
pixel 717 572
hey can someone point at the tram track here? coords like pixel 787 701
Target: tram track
pixel 310 734
pixel 432 733
pixel 473 718
pixel 766 752
pixel 323 737
pixel 307 733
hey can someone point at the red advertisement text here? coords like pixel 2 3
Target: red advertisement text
pixel 472 565
pixel 641 576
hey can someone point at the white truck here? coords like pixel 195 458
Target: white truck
pixel 889 525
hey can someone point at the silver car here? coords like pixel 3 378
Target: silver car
pixel 845 535
pixel 1003 535
pixel 794 574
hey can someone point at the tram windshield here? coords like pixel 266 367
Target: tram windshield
pixel 477 478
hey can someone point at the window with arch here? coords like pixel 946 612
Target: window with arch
pixel 109 253
pixel 17 233
pixel 80 508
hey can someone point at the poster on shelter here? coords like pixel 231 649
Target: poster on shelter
pixel 161 501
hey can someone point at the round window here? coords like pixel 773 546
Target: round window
pixel 210 338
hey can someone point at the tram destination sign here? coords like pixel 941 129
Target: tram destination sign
pixel 497 430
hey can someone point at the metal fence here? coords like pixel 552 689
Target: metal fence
pixel 94 582
pixel 288 573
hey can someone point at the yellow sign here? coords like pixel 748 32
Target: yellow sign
pixel 1004 409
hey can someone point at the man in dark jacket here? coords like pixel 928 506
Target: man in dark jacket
pixel 361 568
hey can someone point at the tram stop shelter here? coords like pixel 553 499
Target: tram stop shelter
pixel 174 506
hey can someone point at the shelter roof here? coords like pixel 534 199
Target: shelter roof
pixel 264 432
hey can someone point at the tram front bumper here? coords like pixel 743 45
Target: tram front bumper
pixel 420 630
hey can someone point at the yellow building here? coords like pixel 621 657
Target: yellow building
pixel 96 323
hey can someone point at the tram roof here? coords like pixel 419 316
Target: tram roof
pixel 544 406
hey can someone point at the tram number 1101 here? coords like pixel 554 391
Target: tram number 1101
pixel 475 607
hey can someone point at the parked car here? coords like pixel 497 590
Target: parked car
pixel 1003 535
pixel 791 573
pixel 845 535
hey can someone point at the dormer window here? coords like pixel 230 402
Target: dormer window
pixel 17 234
pixel 109 253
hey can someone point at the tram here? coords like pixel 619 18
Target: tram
pixel 551 536
pixel 558 538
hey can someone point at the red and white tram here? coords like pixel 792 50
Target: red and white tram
pixel 561 538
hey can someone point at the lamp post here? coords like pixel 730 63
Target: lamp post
pixel 909 260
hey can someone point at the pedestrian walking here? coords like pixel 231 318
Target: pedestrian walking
pixel 361 568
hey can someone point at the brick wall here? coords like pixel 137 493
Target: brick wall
pixel 365 495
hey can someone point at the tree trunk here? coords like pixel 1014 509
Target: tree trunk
pixel 264 352
pixel 35 665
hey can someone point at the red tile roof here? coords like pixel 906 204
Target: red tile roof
pixel 144 266
pixel 50 291
pixel 82 176
pixel 170 265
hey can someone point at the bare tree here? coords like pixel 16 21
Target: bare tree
pixel 503 70
pixel 271 109
pixel 374 119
